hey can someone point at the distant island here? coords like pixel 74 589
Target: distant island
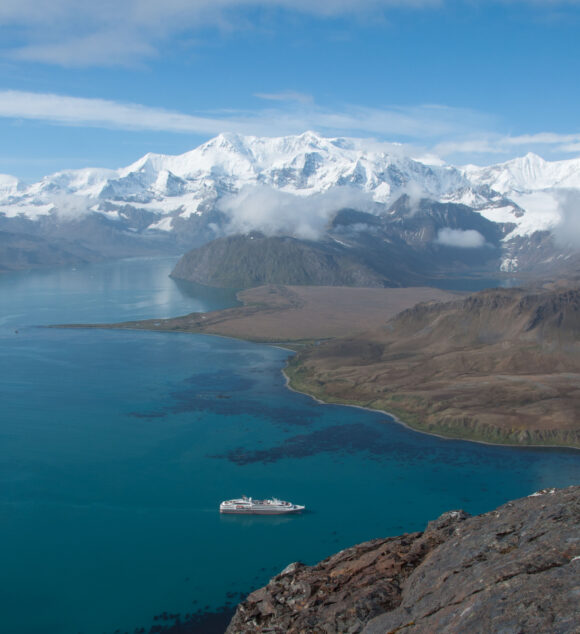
pixel 499 366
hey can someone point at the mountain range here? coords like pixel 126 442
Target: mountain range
pixel 520 215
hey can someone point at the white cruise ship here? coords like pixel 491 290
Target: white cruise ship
pixel 249 506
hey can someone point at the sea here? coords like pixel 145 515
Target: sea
pixel 116 448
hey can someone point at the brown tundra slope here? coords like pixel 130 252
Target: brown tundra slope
pixel 514 570
pixel 501 366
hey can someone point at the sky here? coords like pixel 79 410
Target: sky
pixel 99 84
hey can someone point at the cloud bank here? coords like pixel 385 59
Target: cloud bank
pixel 274 212
pixel 567 232
pixel 491 143
pixel 111 33
pixel 412 122
pixel 432 129
pixel 458 238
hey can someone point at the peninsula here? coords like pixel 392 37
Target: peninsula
pixel 499 366
pixel 294 316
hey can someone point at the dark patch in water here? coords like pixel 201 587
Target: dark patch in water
pixel 224 394
pixel 200 622
pixel 147 414
pixel 210 381
pixel 279 416
pixel 336 439
pixel 376 441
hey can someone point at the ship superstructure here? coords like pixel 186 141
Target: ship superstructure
pixel 249 506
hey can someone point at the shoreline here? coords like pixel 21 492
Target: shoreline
pixel 294 319
pixel 287 380
pixel 410 427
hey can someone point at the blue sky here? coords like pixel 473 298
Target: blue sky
pixel 100 84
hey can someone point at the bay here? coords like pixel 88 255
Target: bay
pixel 117 447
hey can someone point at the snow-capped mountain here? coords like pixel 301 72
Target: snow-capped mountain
pixel 526 174
pixel 292 185
pixel 301 165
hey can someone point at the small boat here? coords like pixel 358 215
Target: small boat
pixel 249 506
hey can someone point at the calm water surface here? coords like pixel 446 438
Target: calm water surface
pixel 116 448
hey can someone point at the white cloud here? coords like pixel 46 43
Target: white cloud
pixel 415 193
pixel 490 146
pixel 542 138
pixel 471 146
pixel 567 231
pixel 468 239
pixel 71 205
pixel 433 130
pixel 80 32
pixel 274 212
pixel 417 122
pixel 287 95
pixel 572 148
pixel 107 48
pixel 109 32
pixel 79 111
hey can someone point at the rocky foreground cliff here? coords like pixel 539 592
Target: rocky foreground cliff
pixel 515 569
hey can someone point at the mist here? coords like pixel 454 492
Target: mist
pixel 275 212
pixel 567 232
pixel 468 239
pixel 415 193
pixel 71 206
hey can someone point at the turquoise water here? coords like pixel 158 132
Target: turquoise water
pixel 116 448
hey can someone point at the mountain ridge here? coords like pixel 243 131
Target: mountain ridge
pixel 291 186
pixel 404 246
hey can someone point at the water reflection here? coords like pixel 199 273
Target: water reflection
pixel 120 290
pixel 249 521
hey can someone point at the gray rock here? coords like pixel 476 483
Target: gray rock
pixel 511 570
pixel 515 569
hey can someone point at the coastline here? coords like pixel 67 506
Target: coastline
pixel 288 346
pixel 396 418
pixel 295 319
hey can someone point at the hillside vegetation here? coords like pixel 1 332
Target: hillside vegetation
pixel 500 366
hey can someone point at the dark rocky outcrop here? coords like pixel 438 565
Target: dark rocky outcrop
pixel 515 569
pixel 243 261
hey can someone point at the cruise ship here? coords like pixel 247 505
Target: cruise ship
pixel 249 506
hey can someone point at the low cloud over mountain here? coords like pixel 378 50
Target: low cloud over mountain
pixel 295 186
pixel 462 239
pixel 274 212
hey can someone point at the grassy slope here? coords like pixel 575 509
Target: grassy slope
pixel 502 367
